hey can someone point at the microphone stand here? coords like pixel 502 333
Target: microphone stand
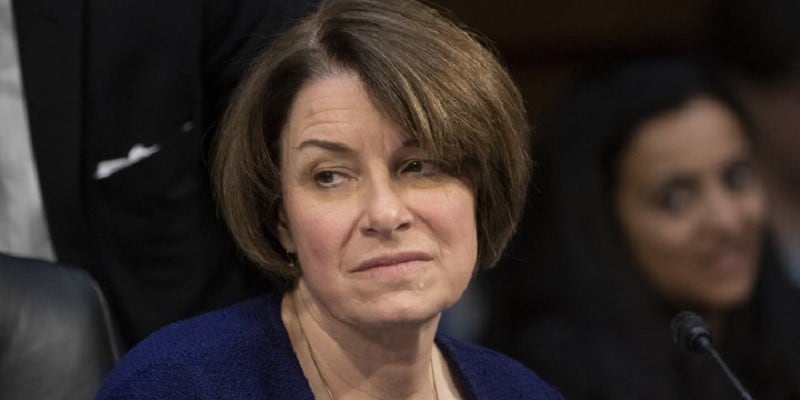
pixel 690 331
pixel 729 373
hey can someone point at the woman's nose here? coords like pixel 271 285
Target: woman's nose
pixel 385 210
pixel 724 212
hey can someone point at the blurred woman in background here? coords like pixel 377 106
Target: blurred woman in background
pixel 651 204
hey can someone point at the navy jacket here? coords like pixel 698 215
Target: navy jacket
pixel 244 352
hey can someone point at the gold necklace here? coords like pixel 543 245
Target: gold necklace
pixel 319 371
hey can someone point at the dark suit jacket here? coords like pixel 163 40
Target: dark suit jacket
pixel 101 76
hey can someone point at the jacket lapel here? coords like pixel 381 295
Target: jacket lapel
pixel 50 35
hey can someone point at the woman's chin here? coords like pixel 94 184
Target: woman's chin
pixel 726 297
pixel 732 297
pixel 399 314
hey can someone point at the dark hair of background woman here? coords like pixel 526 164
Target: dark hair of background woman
pixel 580 314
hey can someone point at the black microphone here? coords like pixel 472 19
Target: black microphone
pixel 691 333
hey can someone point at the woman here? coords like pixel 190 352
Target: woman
pixel 651 204
pixel 362 163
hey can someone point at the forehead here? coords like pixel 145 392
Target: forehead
pixel 336 107
pixel 702 134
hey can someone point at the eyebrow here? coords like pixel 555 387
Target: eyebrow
pixel 338 147
pixel 411 142
pixel 679 180
pixel 335 147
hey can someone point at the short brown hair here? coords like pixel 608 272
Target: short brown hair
pixel 423 70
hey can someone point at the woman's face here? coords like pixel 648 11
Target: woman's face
pixel 691 206
pixel 383 235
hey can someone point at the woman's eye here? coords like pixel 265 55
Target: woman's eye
pixel 675 199
pixel 329 179
pixel 421 167
pixel 739 176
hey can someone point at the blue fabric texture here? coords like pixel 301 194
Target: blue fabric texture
pixel 244 352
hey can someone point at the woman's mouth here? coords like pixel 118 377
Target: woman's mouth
pixel 393 265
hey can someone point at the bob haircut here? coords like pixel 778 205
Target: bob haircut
pixel 422 70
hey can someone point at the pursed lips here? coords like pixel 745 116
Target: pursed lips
pixel 389 260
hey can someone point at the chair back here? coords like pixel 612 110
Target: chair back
pixel 57 338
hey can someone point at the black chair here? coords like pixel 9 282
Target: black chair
pixel 57 339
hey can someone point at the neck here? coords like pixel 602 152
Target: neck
pixel 344 362
pixel 718 322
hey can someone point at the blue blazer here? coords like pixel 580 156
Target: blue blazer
pixel 244 352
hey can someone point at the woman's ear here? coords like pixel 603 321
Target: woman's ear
pixel 284 233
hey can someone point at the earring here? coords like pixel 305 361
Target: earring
pixel 290 260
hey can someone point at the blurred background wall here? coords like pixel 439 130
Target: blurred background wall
pixel 544 42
